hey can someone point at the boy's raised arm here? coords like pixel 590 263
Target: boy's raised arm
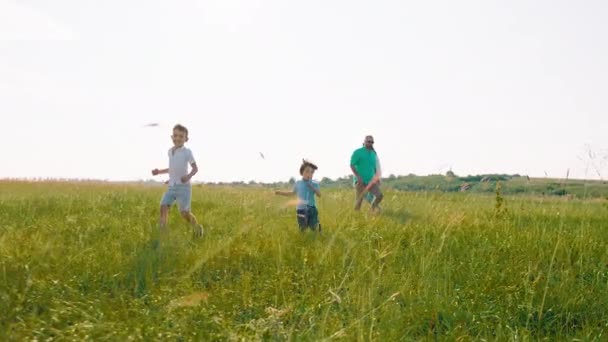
pixel 284 193
pixel 314 189
pixel 159 172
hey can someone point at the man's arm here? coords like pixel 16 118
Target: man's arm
pixel 375 180
pixel 354 159
pixel 359 180
pixel 378 170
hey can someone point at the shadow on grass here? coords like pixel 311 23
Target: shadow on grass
pixel 399 216
pixel 150 259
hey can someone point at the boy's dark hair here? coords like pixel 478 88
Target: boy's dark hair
pixel 181 128
pixel 305 164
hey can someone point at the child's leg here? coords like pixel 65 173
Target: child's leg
pixel 302 217
pixel 197 229
pixel 164 212
pixel 184 200
pixel 313 218
pixel 165 203
pixel 189 217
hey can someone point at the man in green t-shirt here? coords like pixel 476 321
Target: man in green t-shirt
pixel 363 164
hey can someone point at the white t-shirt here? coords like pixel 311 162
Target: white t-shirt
pixel 178 164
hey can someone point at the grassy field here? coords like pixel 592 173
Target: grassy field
pixel 85 261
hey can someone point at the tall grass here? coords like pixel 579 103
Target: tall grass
pixel 85 261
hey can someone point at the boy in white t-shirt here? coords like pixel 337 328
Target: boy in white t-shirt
pixel 179 188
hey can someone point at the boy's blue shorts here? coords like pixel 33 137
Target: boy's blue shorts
pixel 308 217
pixel 182 193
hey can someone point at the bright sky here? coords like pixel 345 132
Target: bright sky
pixel 479 86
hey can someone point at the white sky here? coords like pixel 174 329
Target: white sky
pixel 480 86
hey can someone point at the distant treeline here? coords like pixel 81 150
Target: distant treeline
pixel 450 182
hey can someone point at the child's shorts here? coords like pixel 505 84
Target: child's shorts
pixel 182 193
pixel 308 218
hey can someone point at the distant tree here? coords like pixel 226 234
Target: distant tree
pixel 325 181
pixel 292 181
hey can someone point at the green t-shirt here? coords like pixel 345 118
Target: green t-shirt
pixel 364 161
